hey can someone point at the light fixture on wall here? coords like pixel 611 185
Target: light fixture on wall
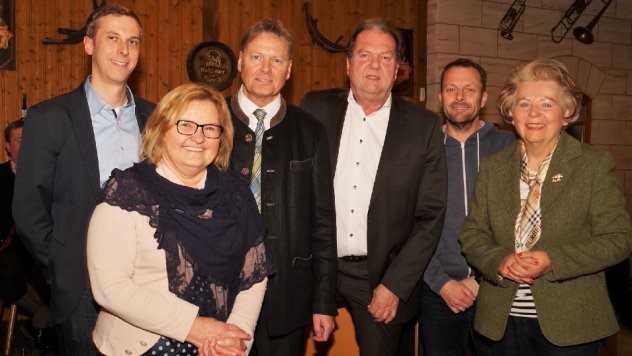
pixel 568 20
pixel 510 19
pixel 584 34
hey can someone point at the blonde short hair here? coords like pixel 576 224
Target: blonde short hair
pixel 170 109
pixel 541 69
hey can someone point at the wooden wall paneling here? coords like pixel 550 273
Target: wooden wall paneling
pixel 75 55
pixel 210 19
pixel 37 51
pixel 302 69
pixel 54 55
pixel 174 57
pixel 152 56
pixel 231 21
pixel 289 14
pixel 191 33
pixel 172 28
pixel 26 54
pixel 140 78
pixel 165 36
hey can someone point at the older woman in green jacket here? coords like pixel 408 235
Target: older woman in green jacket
pixel 547 218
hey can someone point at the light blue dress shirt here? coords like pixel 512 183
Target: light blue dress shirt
pixel 116 132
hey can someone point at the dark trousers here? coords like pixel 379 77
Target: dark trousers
pixel 293 343
pixel 443 333
pixel 524 337
pixel 373 338
pixel 13 271
pixel 74 335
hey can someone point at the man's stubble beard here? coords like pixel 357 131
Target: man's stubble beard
pixel 460 125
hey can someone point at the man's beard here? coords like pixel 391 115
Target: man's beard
pixel 461 125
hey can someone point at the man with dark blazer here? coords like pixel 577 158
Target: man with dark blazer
pixel 283 153
pixel 70 145
pixel 390 187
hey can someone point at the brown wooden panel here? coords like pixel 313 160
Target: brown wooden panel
pixel 171 29
pixel 313 68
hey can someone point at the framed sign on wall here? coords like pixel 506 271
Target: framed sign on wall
pixel 7 35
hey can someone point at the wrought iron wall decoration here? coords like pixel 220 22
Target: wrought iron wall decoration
pixel 317 37
pixel 7 37
pixel 584 34
pixel 559 31
pixel 71 36
pixel 511 18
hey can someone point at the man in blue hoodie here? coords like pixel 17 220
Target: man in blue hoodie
pixel 449 290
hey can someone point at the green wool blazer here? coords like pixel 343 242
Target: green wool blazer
pixel 585 228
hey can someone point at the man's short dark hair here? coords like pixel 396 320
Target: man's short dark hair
pixel 116 10
pixel 380 25
pixel 267 26
pixel 467 63
pixel 12 126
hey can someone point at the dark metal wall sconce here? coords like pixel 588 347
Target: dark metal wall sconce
pixel 582 34
pixel 317 37
pixel 71 36
pixel 510 19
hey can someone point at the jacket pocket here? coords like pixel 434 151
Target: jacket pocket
pixel 302 287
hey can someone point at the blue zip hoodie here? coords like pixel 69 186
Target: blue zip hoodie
pixel 463 163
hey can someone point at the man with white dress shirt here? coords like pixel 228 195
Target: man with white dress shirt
pixel 390 187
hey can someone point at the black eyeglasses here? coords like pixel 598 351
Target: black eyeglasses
pixel 189 128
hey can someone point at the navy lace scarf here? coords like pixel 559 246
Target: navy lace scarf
pixel 207 234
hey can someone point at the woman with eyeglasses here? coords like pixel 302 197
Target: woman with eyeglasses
pixel 176 251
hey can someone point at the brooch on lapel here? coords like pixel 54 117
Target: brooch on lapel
pixel 557 178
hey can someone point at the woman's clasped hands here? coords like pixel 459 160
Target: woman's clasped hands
pixel 525 267
pixel 216 338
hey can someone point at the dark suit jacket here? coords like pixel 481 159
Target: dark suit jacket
pixel 585 229
pixel 57 188
pixel 297 204
pixel 408 201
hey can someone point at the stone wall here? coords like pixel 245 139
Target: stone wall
pixel 469 28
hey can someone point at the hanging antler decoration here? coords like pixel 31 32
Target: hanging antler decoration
pixel 317 37
pixel 71 36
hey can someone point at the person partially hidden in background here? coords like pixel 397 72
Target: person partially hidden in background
pixel 450 288
pixel 17 267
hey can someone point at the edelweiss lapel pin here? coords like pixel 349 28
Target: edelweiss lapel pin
pixel 557 178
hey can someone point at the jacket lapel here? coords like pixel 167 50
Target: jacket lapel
pixel 560 170
pixel 84 133
pixel 339 110
pixel 143 111
pixel 507 179
pixel 392 141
